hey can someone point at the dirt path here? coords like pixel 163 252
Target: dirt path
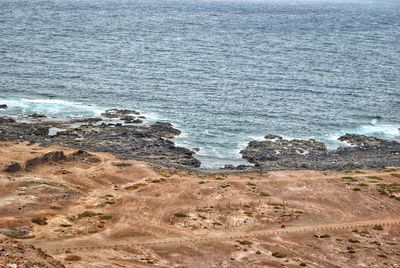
pixel 79 245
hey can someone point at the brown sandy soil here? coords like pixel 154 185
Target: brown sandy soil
pixel 93 210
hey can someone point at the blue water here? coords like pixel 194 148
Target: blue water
pixel 224 72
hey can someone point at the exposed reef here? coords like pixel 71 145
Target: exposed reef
pixel 275 153
pixel 136 141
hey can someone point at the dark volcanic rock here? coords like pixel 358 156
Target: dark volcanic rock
pixel 366 152
pixel 119 113
pixel 51 157
pixel 276 148
pixel 139 142
pixel 13 167
pixel 6 120
pixel 36 115
pixel 3 106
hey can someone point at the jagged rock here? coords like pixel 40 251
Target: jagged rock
pixel 13 167
pixel 19 255
pixel 37 115
pixel 118 113
pixel 361 140
pixel 51 157
pixel 6 120
pixel 39 220
pixel 276 148
pixel 139 142
pixel 164 130
pixel 21 232
pixel 3 106
pixel 276 153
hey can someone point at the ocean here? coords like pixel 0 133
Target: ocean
pixel 223 72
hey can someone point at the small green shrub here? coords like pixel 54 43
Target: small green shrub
pixel 348 178
pixel 264 194
pixel 376 178
pixel 105 217
pixel 377 227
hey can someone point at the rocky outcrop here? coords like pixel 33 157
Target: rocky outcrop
pixel 13 167
pixel 3 106
pixel 119 113
pixel 51 157
pixel 275 153
pixel 17 254
pixel 152 143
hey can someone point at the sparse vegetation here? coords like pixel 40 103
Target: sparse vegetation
pixel 350 179
pixel 389 189
pixel 356 189
pixel 251 183
pixel 397 175
pixel 165 173
pixel 135 186
pixel 354 241
pixel 377 227
pixel 73 258
pixel 375 178
pixel 219 178
pixel 105 217
pixel 264 194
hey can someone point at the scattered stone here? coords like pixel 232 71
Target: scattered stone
pixel 39 220
pixel 3 106
pixel 13 167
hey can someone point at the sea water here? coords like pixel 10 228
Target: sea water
pixel 223 72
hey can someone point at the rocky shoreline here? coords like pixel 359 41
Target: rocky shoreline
pixel 276 153
pixel 126 137
pixel 122 133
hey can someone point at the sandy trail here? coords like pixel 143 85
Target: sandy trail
pixel 78 244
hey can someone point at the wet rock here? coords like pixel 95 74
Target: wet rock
pixel 361 140
pixel 118 113
pixel 276 148
pixel 6 120
pixel 138 142
pixel 276 153
pixel 3 106
pixel 13 167
pixel 164 130
pixel 37 115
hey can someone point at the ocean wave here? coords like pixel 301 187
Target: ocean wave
pixel 50 107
